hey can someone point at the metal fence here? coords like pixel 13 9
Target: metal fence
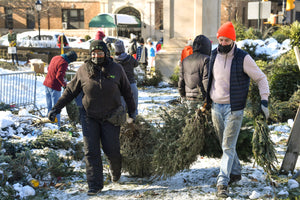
pixel 18 89
pixel 69 76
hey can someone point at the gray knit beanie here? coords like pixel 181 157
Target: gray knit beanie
pixel 119 46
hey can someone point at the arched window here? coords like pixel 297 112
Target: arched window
pixel 125 30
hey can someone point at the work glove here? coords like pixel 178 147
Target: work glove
pixel 52 114
pixel 264 108
pixel 204 108
pixel 131 119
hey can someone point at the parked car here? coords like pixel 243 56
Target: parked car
pixel 31 39
pixel 75 42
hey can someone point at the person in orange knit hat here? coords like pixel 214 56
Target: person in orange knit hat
pixel 230 70
pixel 187 50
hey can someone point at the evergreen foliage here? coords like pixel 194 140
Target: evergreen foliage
pixel 137 146
pixel 153 80
pixel 262 146
pixel 282 33
pixel 281 111
pixel 240 30
pixel 73 112
pixel 295 34
pixel 283 81
pixel 4 106
pixel 174 78
pixel 251 49
pixel 58 167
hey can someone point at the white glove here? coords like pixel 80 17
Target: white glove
pixel 130 120
pixel 264 108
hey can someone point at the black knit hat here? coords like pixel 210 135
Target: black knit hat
pixel 72 56
pixel 98 44
pixel 141 40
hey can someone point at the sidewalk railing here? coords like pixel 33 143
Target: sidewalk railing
pixel 18 89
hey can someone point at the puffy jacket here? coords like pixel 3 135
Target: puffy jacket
pixel 56 73
pixel 193 75
pixel 101 92
pixel 128 63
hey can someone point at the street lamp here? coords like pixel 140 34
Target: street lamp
pixel 38 7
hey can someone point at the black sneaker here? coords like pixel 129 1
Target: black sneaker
pixel 93 192
pixel 115 178
pixel 234 178
pixel 222 191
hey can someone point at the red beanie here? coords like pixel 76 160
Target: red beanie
pixel 99 35
pixel 227 30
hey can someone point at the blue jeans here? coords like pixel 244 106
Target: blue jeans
pixel 227 124
pixel 135 93
pixel 52 97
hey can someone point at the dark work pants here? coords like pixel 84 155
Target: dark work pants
pixel 94 132
pixel 14 57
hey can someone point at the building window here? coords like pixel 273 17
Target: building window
pixel 73 18
pixel 159 15
pixel 30 20
pixel 9 23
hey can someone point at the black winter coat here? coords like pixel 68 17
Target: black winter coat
pixel 193 77
pixel 101 92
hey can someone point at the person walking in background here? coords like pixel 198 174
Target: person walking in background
pixel 99 35
pixel 133 46
pixel 102 83
pixel 55 78
pixel 187 50
pixel 230 70
pixel 128 63
pixel 64 42
pixel 193 76
pixel 159 44
pixel 12 41
pixel 151 54
pixel 110 48
pixel 142 55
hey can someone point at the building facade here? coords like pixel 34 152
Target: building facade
pixel 73 16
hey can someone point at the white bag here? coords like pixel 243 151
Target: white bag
pixel 12 50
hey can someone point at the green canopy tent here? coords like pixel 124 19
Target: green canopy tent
pixel 103 21
pixel 107 20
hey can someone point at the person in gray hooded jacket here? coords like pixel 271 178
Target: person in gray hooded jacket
pixel 193 77
pixel 128 63
pixel 102 83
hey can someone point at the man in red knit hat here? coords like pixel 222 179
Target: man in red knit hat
pixel 230 70
pixel 99 35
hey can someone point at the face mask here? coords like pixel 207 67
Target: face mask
pixel 98 60
pixel 225 48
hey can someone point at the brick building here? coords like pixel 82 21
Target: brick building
pixel 73 16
